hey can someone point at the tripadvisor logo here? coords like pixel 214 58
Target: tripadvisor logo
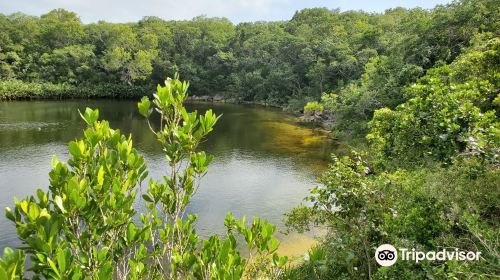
pixel 387 255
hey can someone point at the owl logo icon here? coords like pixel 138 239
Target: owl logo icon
pixel 386 255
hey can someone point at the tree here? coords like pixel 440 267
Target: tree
pixel 451 111
pixel 71 64
pixel 130 66
pixel 60 28
pixel 284 63
pixel 131 60
pixel 352 206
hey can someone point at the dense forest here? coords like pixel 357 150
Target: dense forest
pixel 354 54
pixel 420 88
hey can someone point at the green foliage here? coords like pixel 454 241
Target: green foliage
pixel 422 83
pixel 132 67
pixel 315 266
pixel 350 204
pixel 86 227
pixel 71 64
pixel 313 107
pixel 450 112
pixel 16 89
pixel 446 136
pixel 173 239
pixel 12 264
pixel 60 28
pixel 366 58
pixel 78 228
pixel 426 209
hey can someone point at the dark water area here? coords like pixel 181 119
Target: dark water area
pixel 264 162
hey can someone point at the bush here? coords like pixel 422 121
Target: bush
pixel 313 107
pixel 444 116
pixel 16 89
pixel 425 209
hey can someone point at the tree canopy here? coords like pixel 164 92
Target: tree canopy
pixel 364 58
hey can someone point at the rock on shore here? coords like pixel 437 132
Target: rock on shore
pixel 323 118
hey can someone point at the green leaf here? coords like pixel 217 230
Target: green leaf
pixel 9 215
pixel 54 267
pixel 61 260
pixel 100 176
pixel 101 256
pixel 3 273
pixel 273 245
pixel 131 231
pixel 147 198
pixel 54 161
pixel 90 116
pixel 24 206
pixel 74 149
pixel 144 107
pixel 58 201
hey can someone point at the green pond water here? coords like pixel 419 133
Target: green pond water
pixel 264 162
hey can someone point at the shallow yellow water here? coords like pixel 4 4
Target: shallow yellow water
pixel 296 245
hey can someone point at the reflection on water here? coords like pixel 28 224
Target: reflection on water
pixel 264 163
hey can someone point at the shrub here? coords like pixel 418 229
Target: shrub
pixel 16 89
pixel 444 116
pixel 425 209
pixel 313 107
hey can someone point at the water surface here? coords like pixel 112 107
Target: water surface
pixel 264 162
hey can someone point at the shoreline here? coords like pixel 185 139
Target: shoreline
pixel 300 118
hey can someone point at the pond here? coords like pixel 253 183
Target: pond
pixel 264 163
